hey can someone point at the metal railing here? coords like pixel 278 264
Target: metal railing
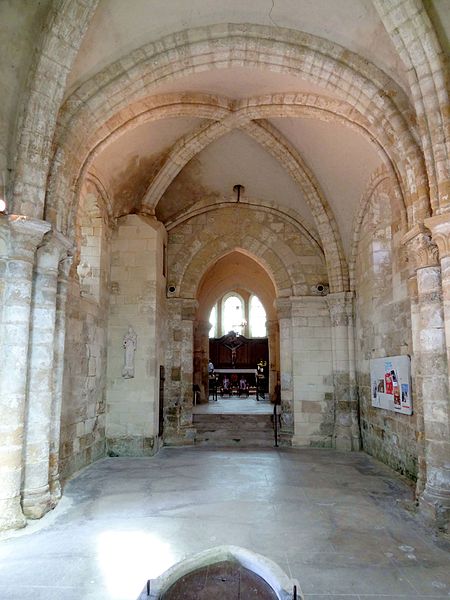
pixel 276 424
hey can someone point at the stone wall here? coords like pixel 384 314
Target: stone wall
pixel 83 408
pixel 137 301
pixel 312 372
pixel 23 22
pixel 296 266
pixel 294 260
pixel 383 328
pixel 179 373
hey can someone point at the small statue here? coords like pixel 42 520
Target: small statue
pixel 260 367
pixel 129 345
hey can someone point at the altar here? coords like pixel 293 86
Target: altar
pixel 237 371
pixel 229 382
pixel 241 365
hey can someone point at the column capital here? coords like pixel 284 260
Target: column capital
pixel 283 307
pixel 421 247
pixel 439 226
pixel 55 248
pixel 21 235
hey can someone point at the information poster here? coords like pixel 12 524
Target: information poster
pixel 390 382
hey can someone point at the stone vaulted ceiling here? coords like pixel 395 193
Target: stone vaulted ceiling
pixel 172 164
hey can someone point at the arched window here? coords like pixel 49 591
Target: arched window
pixel 233 315
pixel 229 314
pixel 257 318
pixel 213 322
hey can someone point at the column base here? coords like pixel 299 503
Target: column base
pixel 55 491
pixel 343 443
pixel 11 515
pixel 285 439
pixel 36 503
pixel 347 442
pixel 435 506
pixel 184 436
pixel 131 446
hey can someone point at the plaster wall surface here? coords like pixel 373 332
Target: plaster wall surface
pixel 125 30
pixel 341 159
pixel 233 158
pixel 383 326
pixel 137 288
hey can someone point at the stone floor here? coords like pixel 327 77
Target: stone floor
pixel 332 520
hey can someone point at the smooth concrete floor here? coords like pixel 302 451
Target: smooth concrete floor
pixel 335 521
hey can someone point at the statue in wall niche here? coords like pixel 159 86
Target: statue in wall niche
pixel 129 345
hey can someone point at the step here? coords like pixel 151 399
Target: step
pixel 233 430
pixel 240 421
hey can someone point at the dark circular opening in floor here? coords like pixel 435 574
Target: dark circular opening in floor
pixel 227 580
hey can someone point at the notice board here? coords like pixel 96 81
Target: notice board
pixel 390 383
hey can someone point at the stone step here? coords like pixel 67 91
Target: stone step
pixel 233 430
pixel 241 421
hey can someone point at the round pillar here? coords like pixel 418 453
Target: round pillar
pixel 346 431
pixel 284 309
pixel 274 355
pixel 432 375
pixel 58 372
pixel 36 497
pixel 19 238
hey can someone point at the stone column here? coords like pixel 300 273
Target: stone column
pixel 274 366
pixel 36 499
pixel 432 375
pixel 440 229
pixel 19 238
pixel 418 400
pixel 284 310
pixel 188 316
pixel 58 373
pixel 201 358
pixel 179 360
pixel 346 433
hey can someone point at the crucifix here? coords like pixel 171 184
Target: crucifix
pixel 232 342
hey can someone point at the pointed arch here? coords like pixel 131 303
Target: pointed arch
pixel 413 35
pixel 363 89
pixel 293 262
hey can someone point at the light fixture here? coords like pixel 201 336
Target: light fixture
pixel 238 188
pixel 3 210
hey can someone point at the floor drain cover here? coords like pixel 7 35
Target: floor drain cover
pixel 227 580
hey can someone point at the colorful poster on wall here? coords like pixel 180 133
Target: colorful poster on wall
pixel 390 383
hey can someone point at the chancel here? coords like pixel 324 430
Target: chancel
pixel 224 293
